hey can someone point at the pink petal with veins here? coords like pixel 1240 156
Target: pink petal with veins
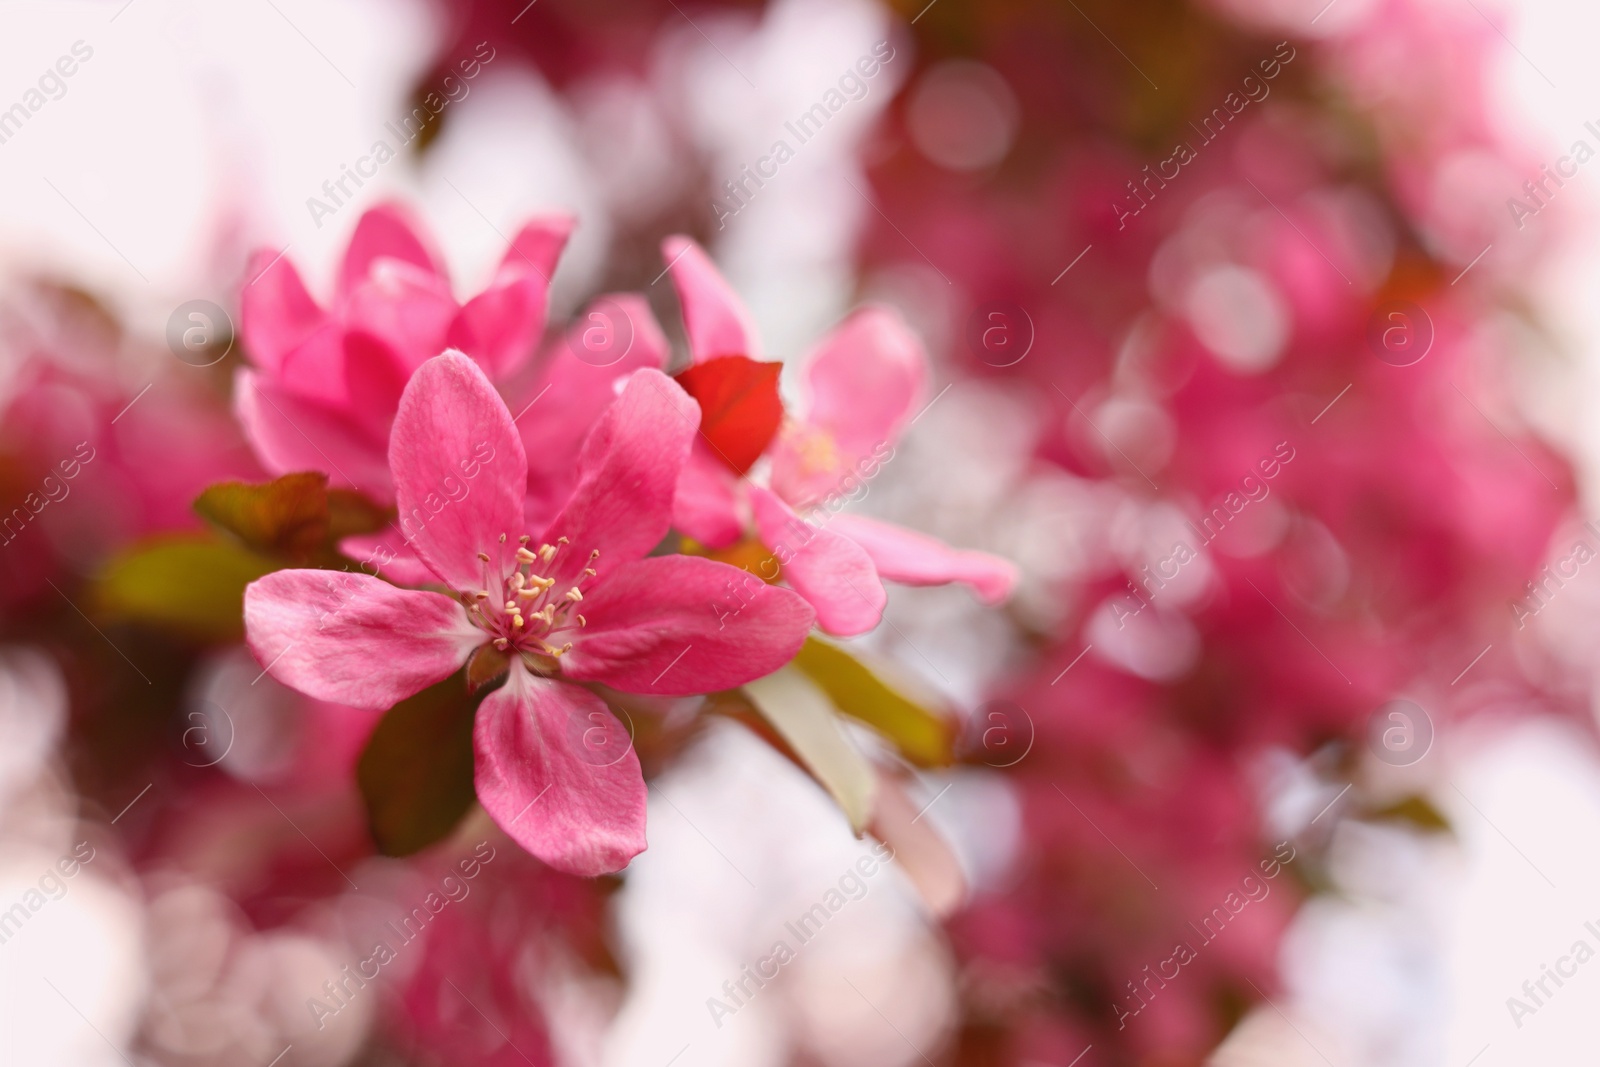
pixel 678 625
pixel 459 473
pixel 568 801
pixel 354 639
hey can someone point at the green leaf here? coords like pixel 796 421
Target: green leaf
pixel 416 771
pixel 191 584
pixel 287 516
pixel 802 715
pixel 877 697
pixel 350 513
pixel 295 517
pixel 1416 810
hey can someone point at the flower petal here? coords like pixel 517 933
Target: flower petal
pixel 914 558
pixel 627 475
pixel 353 639
pixel 677 625
pixel 409 307
pixel 865 380
pixel 384 232
pixel 501 325
pixel 581 380
pixel 314 369
pixel 706 506
pixel 376 375
pixel 459 473
pixel 290 434
pixel 740 410
pixel 276 314
pixel 384 553
pixel 713 316
pixel 537 247
pixel 557 772
pixel 833 573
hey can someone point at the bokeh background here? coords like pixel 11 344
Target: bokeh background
pixel 1349 324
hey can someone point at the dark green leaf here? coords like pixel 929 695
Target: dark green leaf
pixel 350 513
pixel 416 771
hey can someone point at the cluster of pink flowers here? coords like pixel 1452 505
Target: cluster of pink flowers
pixel 582 520
pixel 1380 560
pixel 562 594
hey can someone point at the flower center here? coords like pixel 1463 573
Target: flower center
pixel 526 611
pixel 818 452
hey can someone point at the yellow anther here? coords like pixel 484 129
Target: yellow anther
pixel 482 594
pixel 524 539
pixel 573 595
pixel 582 621
pixel 589 571
pixel 516 622
pixel 524 556
pixel 501 643
pixel 484 556
pixel 547 552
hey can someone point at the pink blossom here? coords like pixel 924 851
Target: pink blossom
pixel 327 380
pixel 583 606
pixel 864 385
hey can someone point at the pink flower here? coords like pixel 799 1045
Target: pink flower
pixel 326 383
pixel 582 604
pixel 864 384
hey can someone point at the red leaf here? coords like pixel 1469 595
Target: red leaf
pixel 739 406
